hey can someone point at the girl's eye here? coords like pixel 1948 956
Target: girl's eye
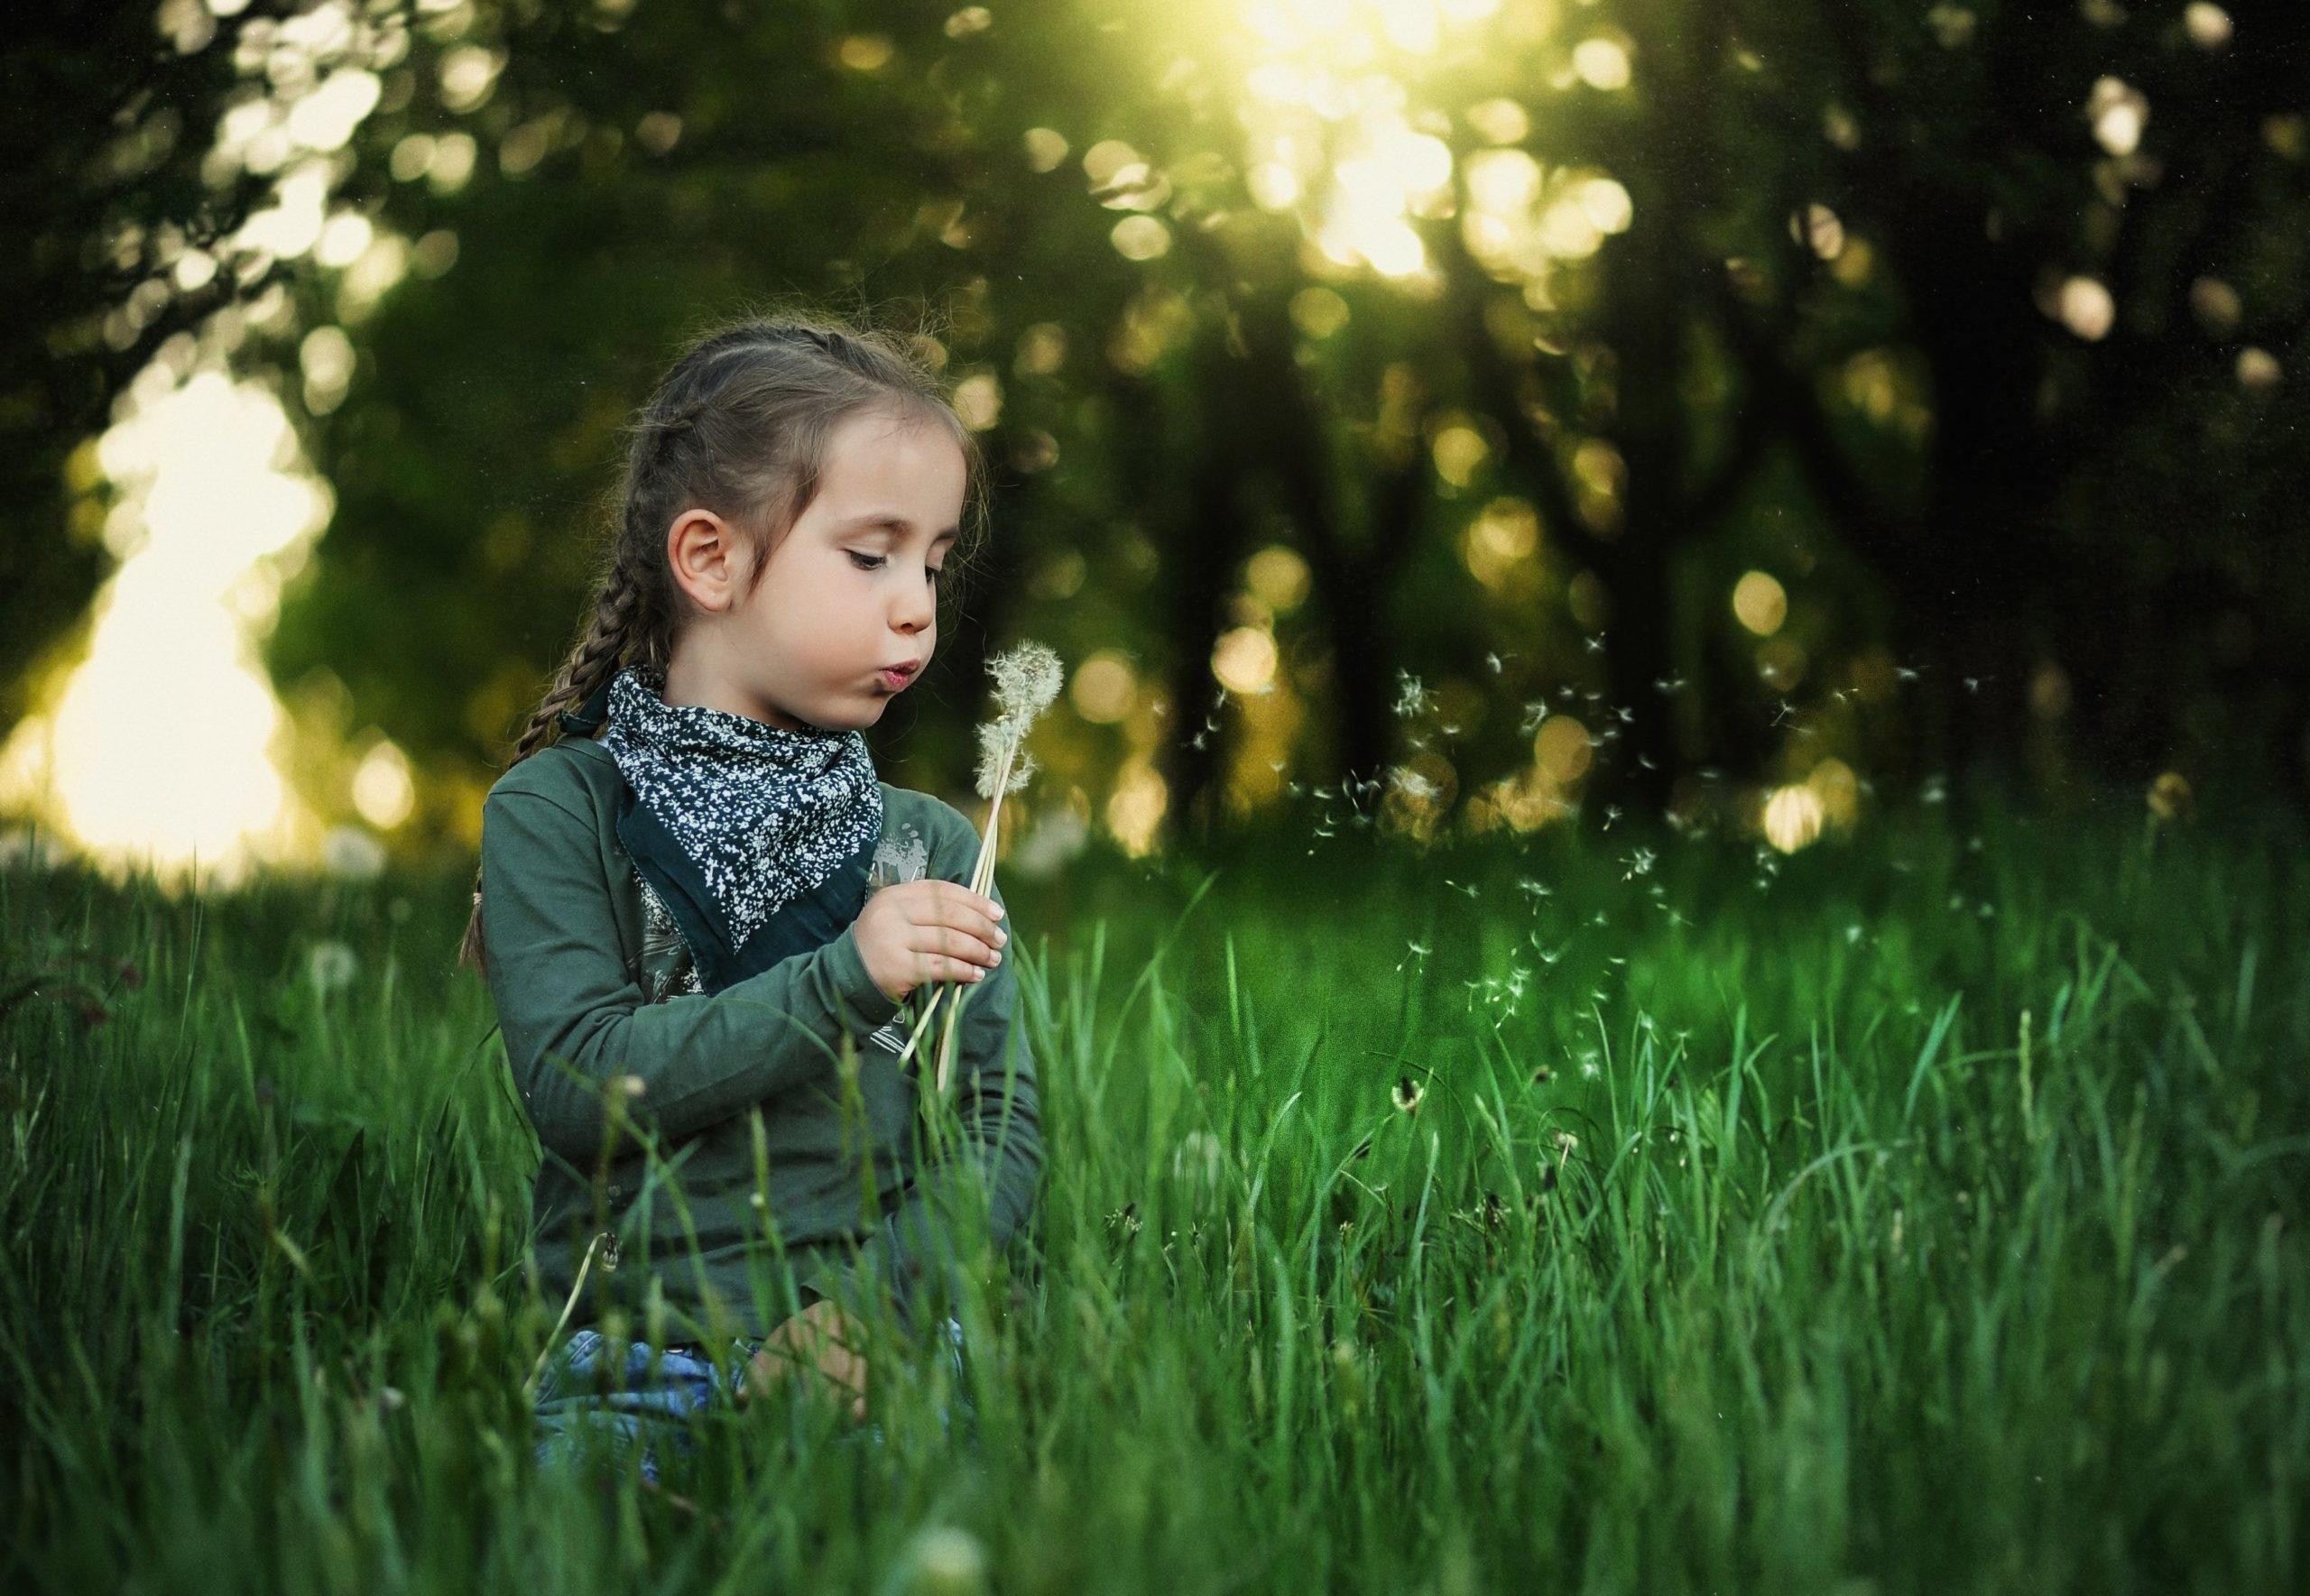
pixel 875 562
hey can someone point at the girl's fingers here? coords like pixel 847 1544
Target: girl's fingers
pixel 959 945
pixel 939 967
pixel 959 909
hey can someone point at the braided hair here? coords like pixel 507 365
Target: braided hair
pixel 739 426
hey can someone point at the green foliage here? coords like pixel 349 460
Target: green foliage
pixel 1916 1214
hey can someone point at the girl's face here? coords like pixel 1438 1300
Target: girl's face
pixel 851 588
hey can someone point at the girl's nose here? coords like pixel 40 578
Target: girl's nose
pixel 918 609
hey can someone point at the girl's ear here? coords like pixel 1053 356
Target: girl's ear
pixel 707 559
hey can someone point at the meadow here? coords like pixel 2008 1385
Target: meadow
pixel 1922 1210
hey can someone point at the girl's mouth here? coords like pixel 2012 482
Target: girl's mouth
pixel 895 679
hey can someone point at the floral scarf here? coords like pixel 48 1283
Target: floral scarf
pixel 738 820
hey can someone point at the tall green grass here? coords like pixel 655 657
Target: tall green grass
pixel 1918 1212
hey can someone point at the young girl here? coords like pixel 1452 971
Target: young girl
pixel 702 928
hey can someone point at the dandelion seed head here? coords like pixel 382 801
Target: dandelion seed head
pixel 1026 682
pixel 331 966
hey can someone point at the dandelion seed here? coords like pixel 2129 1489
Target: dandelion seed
pixel 1596 644
pixel 1644 763
pixel 1418 951
pixel 1411 696
pixel 1626 713
pixel 1414 785
pixel 1525 883
pixel 1564 694
pixel 1639 863
pixel 1535 713
pixel 1469 888
pixel 1972 683
pixel 1492 662
pixel 1407 1094
pixel 1588 1067
pixel 632 1085
pixel 1611 812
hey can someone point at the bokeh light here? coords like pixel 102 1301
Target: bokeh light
pixel 1759 602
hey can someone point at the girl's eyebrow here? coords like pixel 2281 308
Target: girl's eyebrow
pixel 897 526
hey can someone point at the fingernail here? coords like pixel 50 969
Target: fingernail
pixel 1001 936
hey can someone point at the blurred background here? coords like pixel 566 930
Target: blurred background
pixel 1447 416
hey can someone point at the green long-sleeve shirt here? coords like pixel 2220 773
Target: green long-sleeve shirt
pixel 742 1091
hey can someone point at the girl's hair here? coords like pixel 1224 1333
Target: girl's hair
pixel 740 426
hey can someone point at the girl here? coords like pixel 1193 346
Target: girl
pixel 702 928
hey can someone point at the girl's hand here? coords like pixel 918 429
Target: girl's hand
pixel 912 932
pixel 817 1339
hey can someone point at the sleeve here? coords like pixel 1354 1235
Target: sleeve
pixel 575 1018
pixel 998 1159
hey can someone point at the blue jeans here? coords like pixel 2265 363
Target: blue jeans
pixel 622 1396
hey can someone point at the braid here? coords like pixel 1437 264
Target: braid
pixel 617 612
pixel 592 663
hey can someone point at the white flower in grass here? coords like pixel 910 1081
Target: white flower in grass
pixel 351 853
pixel 331 966
pixel 946 1559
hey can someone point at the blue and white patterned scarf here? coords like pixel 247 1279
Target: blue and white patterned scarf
pixel 766 814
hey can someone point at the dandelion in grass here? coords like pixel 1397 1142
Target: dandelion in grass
pixel 331 966
pixel 1027 680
